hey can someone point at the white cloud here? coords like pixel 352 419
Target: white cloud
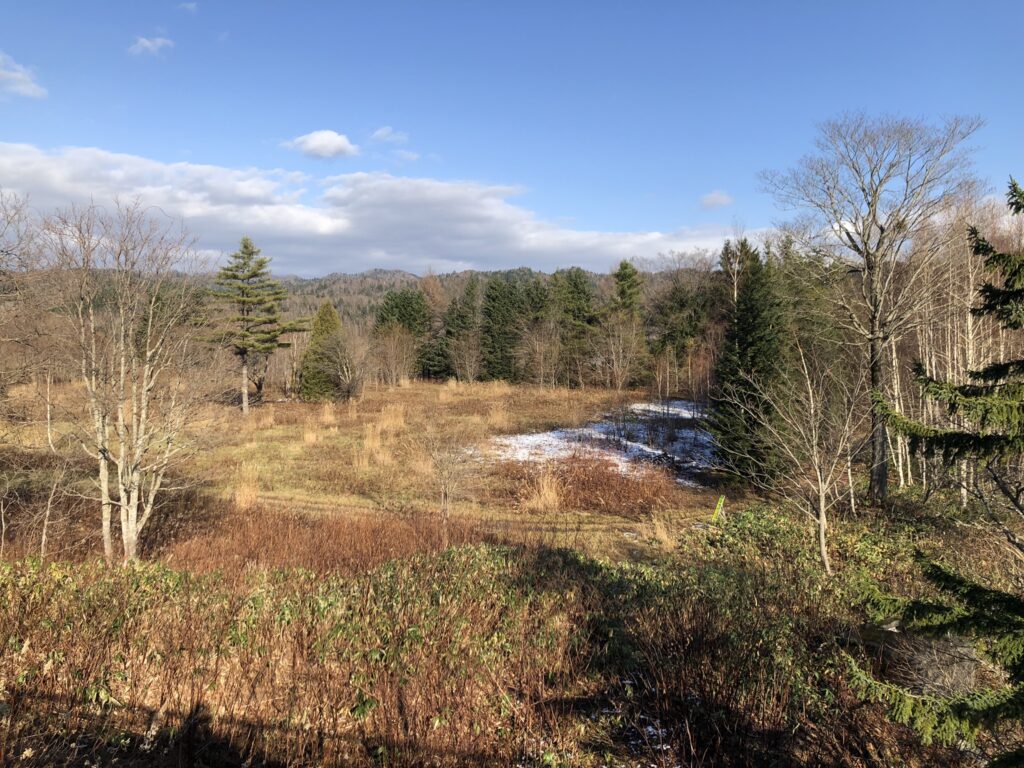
pixel 345 223
pixel 323 144
pixel 149 45
pixel 406 156
pixel 388 134
pixel 716 198
pixel 190 7
pixel 18 80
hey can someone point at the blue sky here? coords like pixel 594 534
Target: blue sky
pixel 537 133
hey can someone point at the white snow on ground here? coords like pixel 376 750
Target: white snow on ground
pixel 679 409
pixel 667 433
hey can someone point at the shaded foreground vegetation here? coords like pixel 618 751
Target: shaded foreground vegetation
pixel 732 650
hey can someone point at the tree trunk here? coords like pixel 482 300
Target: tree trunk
pixel 822 535
pixel 879 486
pixel 105 503
pixel 245 387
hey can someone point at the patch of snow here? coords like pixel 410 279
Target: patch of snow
pixel 675 409
pixel 667 433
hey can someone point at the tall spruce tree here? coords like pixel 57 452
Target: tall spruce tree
pixel 462 331
pixel 574 299
pixel 628 288
pixel 499 329
pixel 986 426
pixel 407 308
pixel 752 351
pixel 316 381
pixel 254 331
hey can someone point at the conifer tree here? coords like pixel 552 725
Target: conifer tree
pixel 752 352
pixel 986 426
pixel 254 331
pixel 407 308
pixel 462 331
pixel 735 259
pixel 989 411
pixel 628 288
pixel 316 381
pixel 578 320
pixel 499 329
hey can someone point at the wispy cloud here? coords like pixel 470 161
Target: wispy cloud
pixel 190 7
pixel 323 144
pixel 406 155
pixel 347 223
pixel 18 80
pixel 149 45
pixel 388 134
pixel 716 198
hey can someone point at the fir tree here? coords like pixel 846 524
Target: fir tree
pixel 752 351
pixel 407 308
pixel 986 426
pixel 316 381
pixel 574 299
pixel 501 315
pixel 679 314
pixel 628 288
pixel 254 331
pixel 735 260
pixel 462 331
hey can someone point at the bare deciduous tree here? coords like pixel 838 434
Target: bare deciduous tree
pixel 466 355
pixel 131 305
pixel 18 258
pixel 623 347
pixel 872 193
pixel 540 348
pixel 395 353
pixel 809 422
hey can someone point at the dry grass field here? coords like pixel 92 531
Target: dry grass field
pixel 417 454
pixel 398 451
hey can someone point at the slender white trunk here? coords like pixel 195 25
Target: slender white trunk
pixel 823 532
pixel 245 387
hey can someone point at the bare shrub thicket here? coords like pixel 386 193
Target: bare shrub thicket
pixel 395 351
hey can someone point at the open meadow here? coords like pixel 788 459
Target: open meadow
pixel 520 385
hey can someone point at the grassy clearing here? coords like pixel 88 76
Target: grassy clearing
pixel 373 456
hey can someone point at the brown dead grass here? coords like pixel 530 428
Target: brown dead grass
pixel 342 544
pixel 584 484
pixel 372 453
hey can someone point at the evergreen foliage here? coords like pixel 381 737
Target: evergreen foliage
pixel 678 315
pixel 315 379
pixel 991 407
pixel 463 314
pixel 244 284
pixel 577 316
pixel 987 427
pixel 628 289
pixel 751 352
pixel 994 621
pixel 501 317
pixel 737 258
pixel 462 329
pixel 407 308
